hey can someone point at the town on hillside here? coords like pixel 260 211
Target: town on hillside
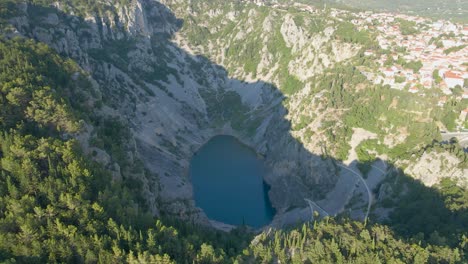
pixel 421 55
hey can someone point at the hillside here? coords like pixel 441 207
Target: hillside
pixel 453 10
pixel 103 104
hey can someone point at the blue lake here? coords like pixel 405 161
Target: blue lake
pixel 228 184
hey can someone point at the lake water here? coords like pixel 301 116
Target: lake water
pixel 228 185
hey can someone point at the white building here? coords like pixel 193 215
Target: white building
pixel 452 79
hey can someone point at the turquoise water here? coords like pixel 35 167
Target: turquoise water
pixel 228 185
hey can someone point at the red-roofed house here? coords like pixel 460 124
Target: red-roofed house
pixel 414 89
pixel 452 79
pixel 389 72
pixel 368 53
pixel 465 31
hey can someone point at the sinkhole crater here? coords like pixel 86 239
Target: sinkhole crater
pixel 227 179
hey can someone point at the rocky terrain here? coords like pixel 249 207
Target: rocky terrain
pixel 178 73
pixel 172 116
pixel 431 167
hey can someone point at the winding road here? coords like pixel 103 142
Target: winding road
pixel 320 210
pixel 369 193
pixel 379 169
pixel 330 202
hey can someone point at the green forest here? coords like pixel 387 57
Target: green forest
pixel 59 206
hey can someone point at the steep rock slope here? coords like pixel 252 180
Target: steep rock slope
pixel 174 100
pixel 281 78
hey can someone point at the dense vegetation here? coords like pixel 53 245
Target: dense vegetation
pixel 387 112
pixel 442 212
pixel 347 32
pixel 57 205
pixel 407 27
pixel 344 241
pixel 454 49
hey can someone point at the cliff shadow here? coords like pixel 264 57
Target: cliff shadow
pixel 175 100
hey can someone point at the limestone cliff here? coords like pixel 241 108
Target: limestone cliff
pixel 177 73
pixel 432 166
pixel 173 101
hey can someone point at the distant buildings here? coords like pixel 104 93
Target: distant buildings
pixel 453 79
pixel 413 89
pixel 389 72
pixel 441 47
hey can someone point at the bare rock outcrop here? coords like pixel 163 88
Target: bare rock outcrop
pixel 431 167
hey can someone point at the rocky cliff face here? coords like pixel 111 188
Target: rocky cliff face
pixel 180 72
pixel 147 75
pixel 431 167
